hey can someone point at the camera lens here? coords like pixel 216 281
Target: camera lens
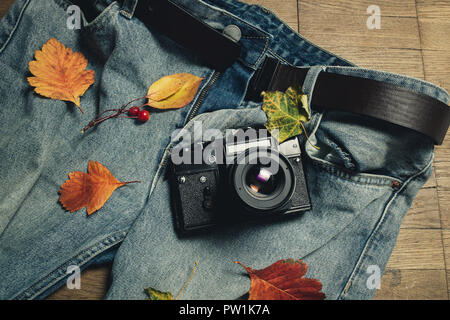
pixel 263 181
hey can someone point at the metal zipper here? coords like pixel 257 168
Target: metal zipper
pixel 194 110
pixel 202 96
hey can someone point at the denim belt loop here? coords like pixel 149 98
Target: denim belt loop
pixel 128 8
pixel 310 81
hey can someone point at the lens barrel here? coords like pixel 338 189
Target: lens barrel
pixel 263 180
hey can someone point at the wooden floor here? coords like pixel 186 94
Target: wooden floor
pixel 414 40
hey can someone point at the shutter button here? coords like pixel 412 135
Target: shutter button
pixel 232 32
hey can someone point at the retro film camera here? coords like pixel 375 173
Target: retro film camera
pixel 237 178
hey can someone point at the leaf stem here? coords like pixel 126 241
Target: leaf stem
pixel 189 280
pixel 307 138
pixel 80 108
pixel 137 181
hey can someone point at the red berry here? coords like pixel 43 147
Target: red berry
pixel 144 115
pixel 134 111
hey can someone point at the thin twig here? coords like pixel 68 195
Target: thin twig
pixel 80 108
pixel 189 280
pixel 117 113
pixel 137 181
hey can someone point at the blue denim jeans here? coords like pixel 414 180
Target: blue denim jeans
pixel 362 180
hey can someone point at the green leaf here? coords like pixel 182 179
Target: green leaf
pixel 154 294
pixel 286 112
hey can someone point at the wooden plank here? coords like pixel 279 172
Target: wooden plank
pixel 4 6
pixel 443 190
pixel 448 282
pixel 418 249
pixel 443 175
pixel 442 153
pixel 351 29
pixel 400 284
pixel 434 25
pixel 433 8
pixel 286 12
pixel 437 65
pixel 424 213
pixel 93 286
pixel 446 241
pixel 435 41
pixel 403 61
pixel 388 8
pixel 431 183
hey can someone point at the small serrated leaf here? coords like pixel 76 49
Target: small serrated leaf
pixel 154 294
pixel 59 73
pixel 90 190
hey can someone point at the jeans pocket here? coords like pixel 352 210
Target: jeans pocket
pixel 367 149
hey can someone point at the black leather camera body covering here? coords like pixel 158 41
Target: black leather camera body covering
pixel 207 194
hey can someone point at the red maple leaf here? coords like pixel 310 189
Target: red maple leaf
pixel 283 280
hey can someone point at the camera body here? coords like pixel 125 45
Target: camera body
pixel 241 177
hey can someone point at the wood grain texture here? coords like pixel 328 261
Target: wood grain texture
pixel 442 153
pixel 443 191
pixel 431 183
pixel 434 26
pixel 93 286
pixel 433 17
pixel 287 11
pixel 414 40
pixel 389 8
pixel 403 61
pixel 446 240
pixel 338 27
pixel 424 213
pixel 4 6
pixel 448 281
pixel 400 284
pixel 418 249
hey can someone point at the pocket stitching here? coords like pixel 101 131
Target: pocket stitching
pixel 341 172
pixel 359 178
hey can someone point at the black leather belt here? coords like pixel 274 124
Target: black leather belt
pixel 170 19
pixel 373 98
pixel 369 97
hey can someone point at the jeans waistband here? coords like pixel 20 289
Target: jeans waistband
pixel 291 48
pixel 288 45
pixel 263 33
pixel 261 27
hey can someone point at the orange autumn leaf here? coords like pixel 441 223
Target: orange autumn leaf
pixel 90 190
pixel 283 280
pixel 59 73
pixel 174 91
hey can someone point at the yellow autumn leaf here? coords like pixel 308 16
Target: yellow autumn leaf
pixel 59 73
pixel 174 91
